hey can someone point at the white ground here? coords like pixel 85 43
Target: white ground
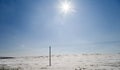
pixel 66 62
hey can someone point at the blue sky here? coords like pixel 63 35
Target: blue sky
pixel 28 27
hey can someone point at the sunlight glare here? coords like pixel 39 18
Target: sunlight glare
pixel 66 7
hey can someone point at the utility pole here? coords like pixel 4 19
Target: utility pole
pixel 49 55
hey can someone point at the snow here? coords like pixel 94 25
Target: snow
pixel 65 62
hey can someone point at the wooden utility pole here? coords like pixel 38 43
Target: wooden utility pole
pixel 49 55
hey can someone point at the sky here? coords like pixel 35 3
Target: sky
pixel 29 27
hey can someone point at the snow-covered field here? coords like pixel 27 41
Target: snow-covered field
pixel 65 62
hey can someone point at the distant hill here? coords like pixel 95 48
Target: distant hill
pixel 7 57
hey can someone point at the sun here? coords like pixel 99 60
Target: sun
pixel 66 7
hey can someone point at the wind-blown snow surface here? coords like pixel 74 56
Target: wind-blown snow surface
pixel 65 62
